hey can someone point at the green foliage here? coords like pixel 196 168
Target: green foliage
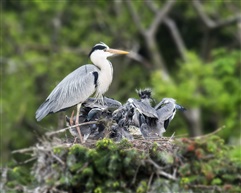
pixel 212 86
pixel 120 167
pixel 208 163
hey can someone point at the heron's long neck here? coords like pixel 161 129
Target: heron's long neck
pixel 105 76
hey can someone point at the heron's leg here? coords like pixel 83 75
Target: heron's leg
pixel 77 122
pixel 71 121
pixel 102 100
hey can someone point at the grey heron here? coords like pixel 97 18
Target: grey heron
pixel 166 111
pixel 80 84
pixel 145 116
pixel 134 113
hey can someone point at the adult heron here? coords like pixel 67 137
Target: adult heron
pixel 80 84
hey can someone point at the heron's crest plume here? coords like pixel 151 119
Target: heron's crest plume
pixel 146 93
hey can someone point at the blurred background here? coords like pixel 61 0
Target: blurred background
pixel 187 50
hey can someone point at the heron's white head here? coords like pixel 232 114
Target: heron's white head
pixel 168 100
pixel 101 51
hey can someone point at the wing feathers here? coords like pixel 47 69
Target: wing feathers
pixel 73 89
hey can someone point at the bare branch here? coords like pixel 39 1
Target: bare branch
pixel 201 136
pixel 207 187
pixel 239 32
pixel 210 23
pixel 228 21
pixel 160 171
pixel 137 57
pixel 4 174
pixel 134 55
pixel 173 28
pixel 67 128
pixel 151 6
pixel 24 150
pixel 169 176
pixel 209 134
pixel 177 37
pixel 207 21
pixel 135 17
pixel 161 14
pixel 150 181
pixel 134 178
pixel 58 159
pixel 149 36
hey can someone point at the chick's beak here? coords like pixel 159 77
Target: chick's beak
pixel 114 51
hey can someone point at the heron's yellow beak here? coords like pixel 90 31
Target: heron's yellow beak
pixel 114 51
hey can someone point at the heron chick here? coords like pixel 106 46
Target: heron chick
pixel 166 111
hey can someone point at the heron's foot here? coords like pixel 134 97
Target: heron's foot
pixel 100 100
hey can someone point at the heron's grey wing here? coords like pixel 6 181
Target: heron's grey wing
pixel 109 103
pixel 166 111
pixel 94 103
pixel 73 89
pixel 112 103
pixel 143 108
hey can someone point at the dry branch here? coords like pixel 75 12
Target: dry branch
pixel 160 15
pixel 209 22
pixel 67 128
pixel 160 170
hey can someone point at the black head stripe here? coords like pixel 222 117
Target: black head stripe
pixel 97 47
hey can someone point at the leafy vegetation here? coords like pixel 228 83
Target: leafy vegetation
pixel 166 165
pixel 209 85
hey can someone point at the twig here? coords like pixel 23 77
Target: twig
pixel 175 172
pixel 160 171
pixel 58 159
pixel 58 190
pixel 210 23
pixel 149 181
pixel 67 128
pixel 161 14
pixel 171 138
pixel 177 37
pixel 207 135
pixel 154 164
pixel 206 187
pixel 173 29
pixel 27 161
pixel 169 176
pixel 83 167
pixel 200 136
pixel 3 178
pixel 134 179
pixel 23 150
pixel 137 57
pixel 135 17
